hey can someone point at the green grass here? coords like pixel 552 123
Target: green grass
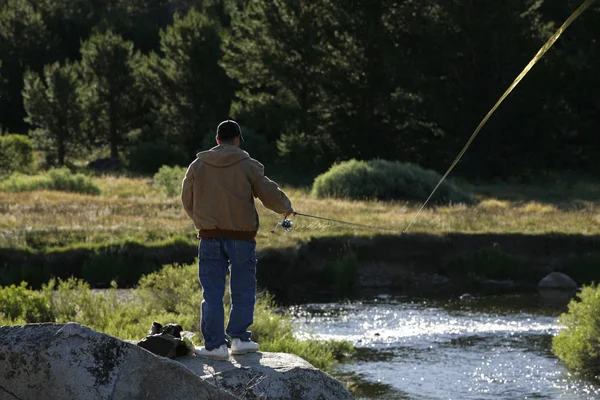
pixel 56 179
pixel 172 295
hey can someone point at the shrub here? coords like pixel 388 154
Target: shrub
pixel 62 179
pixel 19 302
pixel 385 180
pixel 16 154
pixel 56 179
pixel 578 345
pixel 169 179
pixel 148 157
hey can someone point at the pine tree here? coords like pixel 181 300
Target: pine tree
pixel 53 107
pixel 110 99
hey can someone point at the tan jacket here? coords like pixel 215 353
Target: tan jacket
pixel 218 193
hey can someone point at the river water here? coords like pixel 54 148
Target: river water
pixel 486 348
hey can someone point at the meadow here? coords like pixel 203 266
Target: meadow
pixel 136 209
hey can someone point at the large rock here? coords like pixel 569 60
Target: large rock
pixel 70 361
pixel 268 376
pixel 557 281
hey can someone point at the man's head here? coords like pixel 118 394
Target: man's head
pixel 229 132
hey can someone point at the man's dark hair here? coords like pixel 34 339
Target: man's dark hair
pixel 228 130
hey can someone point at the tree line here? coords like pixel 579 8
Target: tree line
pixel 312 82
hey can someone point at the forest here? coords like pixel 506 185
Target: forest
pixel 311 82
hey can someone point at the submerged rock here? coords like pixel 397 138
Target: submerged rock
pixel 557 281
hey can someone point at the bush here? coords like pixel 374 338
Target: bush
pixel 16 154
pixel 578 345
pixel 169 179
pixel 56 179
pixel 19 302
pixel 148 157
pixel 385 180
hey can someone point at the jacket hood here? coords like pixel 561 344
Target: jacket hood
pixel 223 155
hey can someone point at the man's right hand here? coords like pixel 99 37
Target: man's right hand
pixel 291 212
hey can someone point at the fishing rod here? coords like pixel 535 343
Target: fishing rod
pixel 287 224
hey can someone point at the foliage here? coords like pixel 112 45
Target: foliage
pixel 148 157
pixel 578 345
pixel 108 64
pixel 16 154
pixel 21 302
pixel 190 91
pixel 25 43
pixel 61 179
pixel 385 180
pixel 53 106
pixel 169 179
pixel 170 295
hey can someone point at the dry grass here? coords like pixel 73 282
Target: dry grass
pixel 133 208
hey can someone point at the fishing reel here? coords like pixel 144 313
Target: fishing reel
pixel 285 224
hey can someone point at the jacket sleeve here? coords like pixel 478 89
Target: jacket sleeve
pixel 187 192
pixel 269 193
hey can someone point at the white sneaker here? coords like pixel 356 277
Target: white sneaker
pixel 220 353
pixel 240 347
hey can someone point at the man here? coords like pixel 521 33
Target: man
pixel 218 195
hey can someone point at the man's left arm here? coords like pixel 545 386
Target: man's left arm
pixel 187 192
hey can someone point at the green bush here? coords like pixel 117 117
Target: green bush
pixel 16 154
pixel 56 179
pixel 19 302
pixel 169 179
pixel 148 157
pixel 385 180
pixel 578 345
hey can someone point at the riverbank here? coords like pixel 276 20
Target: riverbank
pixel 131 229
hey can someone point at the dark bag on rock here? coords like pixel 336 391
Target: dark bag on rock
pixel 165 341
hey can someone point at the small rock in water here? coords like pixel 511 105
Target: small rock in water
pixel 466 297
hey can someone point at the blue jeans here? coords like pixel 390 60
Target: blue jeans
pixel 215 258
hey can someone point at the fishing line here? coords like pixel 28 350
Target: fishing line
pixel 286 224
pixel 525 71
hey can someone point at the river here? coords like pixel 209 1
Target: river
pixel 485 348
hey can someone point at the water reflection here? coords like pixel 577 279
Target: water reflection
pixel 489 348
